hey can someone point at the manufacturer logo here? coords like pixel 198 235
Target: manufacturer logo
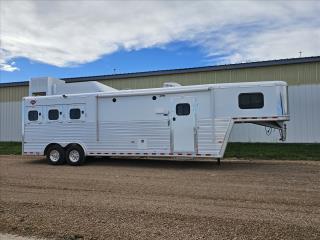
pixel 33 101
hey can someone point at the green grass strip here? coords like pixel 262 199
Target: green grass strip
pixel 280 151
pixel 8 148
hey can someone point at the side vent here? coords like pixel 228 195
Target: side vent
pixel 171 84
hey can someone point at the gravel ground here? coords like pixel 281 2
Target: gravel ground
pixel 6 236
pixel 144 199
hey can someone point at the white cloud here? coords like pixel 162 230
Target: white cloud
pixel 64 33
pixel 5 65
pixel 274 44
pixel 8 67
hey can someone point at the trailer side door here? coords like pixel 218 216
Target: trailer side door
pixel 183 124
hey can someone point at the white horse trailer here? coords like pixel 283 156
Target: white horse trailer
pixel 69 121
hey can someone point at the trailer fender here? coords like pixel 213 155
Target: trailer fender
pixel 81 144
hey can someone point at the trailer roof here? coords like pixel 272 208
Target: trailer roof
pixel 166 90
pixel 183 70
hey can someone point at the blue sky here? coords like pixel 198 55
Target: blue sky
pixel 174 55
pixel 84 38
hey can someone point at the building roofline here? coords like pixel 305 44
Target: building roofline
pixel 14 84
pixel 181 70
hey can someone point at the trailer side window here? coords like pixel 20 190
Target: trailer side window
pixel 53 114
pixel 75 113
pixel 33 115
pixel 183 109
pixel 251 100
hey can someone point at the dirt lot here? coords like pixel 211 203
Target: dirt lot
pixel 141 199
pixel 7 236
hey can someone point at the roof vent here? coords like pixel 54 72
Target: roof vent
pixel 44 86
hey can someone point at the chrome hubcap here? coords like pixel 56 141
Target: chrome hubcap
pixel 74 156
pixel 54 155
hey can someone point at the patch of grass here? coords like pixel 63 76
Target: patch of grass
pixel 7 148
pixel 280 151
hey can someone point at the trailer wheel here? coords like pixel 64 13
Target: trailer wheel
pixel 75 155
pixel 55 155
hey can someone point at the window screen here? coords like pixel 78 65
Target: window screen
pixel 183 109
pixel 75 113
pixel 33 115
pixel 53 114
pixel 251 100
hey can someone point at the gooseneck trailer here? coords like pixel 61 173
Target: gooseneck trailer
pixel 68 121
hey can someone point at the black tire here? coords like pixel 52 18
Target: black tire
pixel 75 155
pixel 56 155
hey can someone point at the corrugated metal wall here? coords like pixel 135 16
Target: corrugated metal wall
pixel 10 121
pixel 10 112
pixel 9 94
pixel 295 74
pixel 303 127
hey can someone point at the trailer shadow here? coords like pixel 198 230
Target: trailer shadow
pixel 161 163
pixel 41 161
pixel 169 164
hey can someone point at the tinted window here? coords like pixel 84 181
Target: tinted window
pixel 53 114
pixel 75 113
pixel 251 100
pixel 183 109
pixel 33 115
pixel 38 93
